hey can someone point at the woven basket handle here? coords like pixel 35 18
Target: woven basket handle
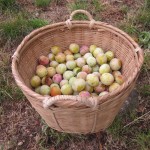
pixel 80 11
pixel 90 101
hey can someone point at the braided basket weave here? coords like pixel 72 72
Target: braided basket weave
pixel 75 114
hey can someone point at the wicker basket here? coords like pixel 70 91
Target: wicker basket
pixel 74 114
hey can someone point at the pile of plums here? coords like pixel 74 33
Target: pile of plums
pixel 80 70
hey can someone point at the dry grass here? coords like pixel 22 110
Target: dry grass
pixel 42 3
pixel 20 131
pixel 19 26
pixel 93 6
pixel 8 89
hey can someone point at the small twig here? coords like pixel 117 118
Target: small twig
pixel 136 119
pixel 7 93
pixel 100 147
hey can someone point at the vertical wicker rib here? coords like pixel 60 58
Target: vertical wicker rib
pixel 70 113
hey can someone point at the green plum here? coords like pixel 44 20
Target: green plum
pixel 113 87
pixel 76 56
pixel 115 64
pixel 71 80
pixel 63 82
pixel 80 62
pixel 66 89
pixel 95 68
pixel 45 90
pixel 88 88
pixel 101 59
pixel 91 61
pixel 51 56
pixel 55 50
pixel 110 55
pixel 119 79
pixel 74 48
pixel 37 89
pixel 54 64
pixel 60 58
pixel 78 85
pixel 54 84
pixel 87 55
pixel 68 74
pixel 103 93
pixel 97 51
pixel 41 71
pixel 51 71
pixel 107 78
pixel 71 64
pixel 105 68
pixel 92 80
pixel 92 48
pixel 76 70
pixel 35 81
pixel 61 68
pixel 69 57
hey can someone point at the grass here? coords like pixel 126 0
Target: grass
pixel 138 25
pixel 8 90
pixel 36 23
pixel 132 26
pixel 124 9
pixel 97 5
pixel 146 66
pixel 53 137
pixel 94 7
pixel 131 135
pixel 144 39
pixel 147 59
pixel 42 3
pixel 116 129
pixel 19 26
pixel 78 4
pixel 144 90
pixel 9 5
pixel 129 28
pixel 16 27
pixel 50 136
pixel 143 16
pixel 13 28
pixel 142 20
pixel 142 139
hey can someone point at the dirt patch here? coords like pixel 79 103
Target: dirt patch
pixel 21 128
pixel 52 13
pixel 112 15
pixel 19 125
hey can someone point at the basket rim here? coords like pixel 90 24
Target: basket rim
pixel 92 101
